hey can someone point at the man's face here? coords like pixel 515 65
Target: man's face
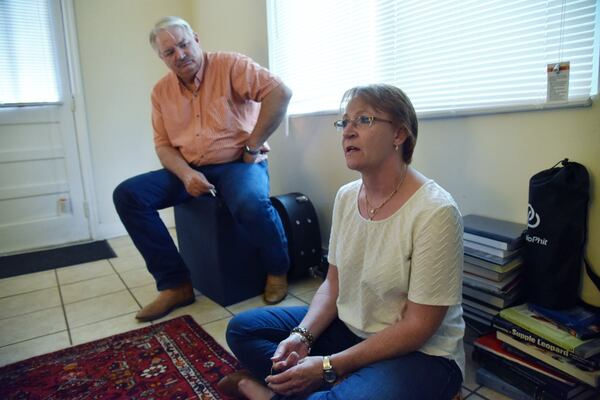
pixel 180 51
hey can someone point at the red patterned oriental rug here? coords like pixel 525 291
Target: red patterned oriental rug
pixel 172 360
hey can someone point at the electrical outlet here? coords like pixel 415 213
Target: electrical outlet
pixel 64 206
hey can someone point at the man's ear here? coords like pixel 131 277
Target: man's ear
pixel 196 38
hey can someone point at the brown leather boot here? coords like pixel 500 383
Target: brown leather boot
pixel 275 289
pixel 167 301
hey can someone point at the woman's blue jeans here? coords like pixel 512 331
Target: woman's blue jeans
pixel 254 335
pixel 244 188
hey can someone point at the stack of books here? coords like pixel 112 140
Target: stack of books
pixel 492 266
pixel 535 353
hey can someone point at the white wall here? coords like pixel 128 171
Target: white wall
pixel 232 25
pixel 484 161
pixel 119 69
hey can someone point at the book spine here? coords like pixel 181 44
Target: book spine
pixel 525 336
pixel 486 241
pixel 483 272
pixel 487 234
pixel 525 378
pixel 561 363
pixel 482 286
pixel 484 297
pixel 522 316
pixel 487 249
pixel 488 257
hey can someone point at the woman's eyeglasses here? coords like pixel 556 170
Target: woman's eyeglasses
pixel 362 121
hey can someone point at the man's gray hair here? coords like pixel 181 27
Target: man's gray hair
pixel 168 22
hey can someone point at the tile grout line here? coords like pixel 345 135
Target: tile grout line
pixel 33 338
pixel 64 310
pixel 124 283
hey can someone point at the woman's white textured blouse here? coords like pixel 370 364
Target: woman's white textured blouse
pixel 416 254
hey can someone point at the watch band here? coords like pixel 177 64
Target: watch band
pixel 326 363
pixel 248 150
pixel 329 374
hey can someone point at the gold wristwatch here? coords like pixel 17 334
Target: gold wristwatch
pixel 329 374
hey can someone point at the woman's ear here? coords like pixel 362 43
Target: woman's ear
pixel 400 136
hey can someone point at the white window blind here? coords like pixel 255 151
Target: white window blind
pixel 450 57
pixel 28 65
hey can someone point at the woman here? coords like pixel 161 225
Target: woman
pixel 387 318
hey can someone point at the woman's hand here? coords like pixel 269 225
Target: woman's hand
pixel 305 377
pixel 289 352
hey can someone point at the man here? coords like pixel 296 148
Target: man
pixel 211 115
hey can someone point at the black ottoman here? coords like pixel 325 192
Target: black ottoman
pixel 224 265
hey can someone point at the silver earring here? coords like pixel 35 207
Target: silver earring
pixel 396 147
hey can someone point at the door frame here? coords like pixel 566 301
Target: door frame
pixel 79 114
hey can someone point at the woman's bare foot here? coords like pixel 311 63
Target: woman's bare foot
pixel 254 390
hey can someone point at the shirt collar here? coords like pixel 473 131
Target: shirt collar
pixel 199 75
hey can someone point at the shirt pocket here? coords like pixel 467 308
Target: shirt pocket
pixel 222 115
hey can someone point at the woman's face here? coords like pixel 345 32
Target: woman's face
pixel 369 142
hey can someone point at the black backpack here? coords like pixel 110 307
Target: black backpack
pixel 556 235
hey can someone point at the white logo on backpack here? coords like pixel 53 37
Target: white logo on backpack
pixel 532 216
pixel 533 221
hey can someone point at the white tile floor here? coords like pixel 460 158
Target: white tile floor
pixel 51 310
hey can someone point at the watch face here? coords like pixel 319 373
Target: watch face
pixel 329 375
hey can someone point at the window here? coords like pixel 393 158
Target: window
pixel 28 62
pixel 449 56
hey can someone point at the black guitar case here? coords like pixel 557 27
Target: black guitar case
pixel 302 230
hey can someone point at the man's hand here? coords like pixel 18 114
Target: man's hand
pixel 261 156
pixel 196 183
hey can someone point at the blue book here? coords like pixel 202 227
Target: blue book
pixel 510 233
pixel 578 321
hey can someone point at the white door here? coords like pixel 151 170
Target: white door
pixel 41 191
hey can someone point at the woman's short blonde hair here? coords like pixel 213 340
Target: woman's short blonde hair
pixel 394 102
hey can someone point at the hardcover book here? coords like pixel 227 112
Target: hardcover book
pixel 500 230
pixel 490 250
pixel 468 310
pixel 504 285
pixel 492 242
pixel 590 377
pixel 486 273
pixel 523 335
pixel 522 316
pixel 496 300
pixel 529 381
pixel 487 378
pixel 504 266
pixel 490 257
pixel 490 343
pixel 578 321
pixel 490 310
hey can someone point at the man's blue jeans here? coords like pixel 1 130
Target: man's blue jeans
pixel 244 188
pixel 254 335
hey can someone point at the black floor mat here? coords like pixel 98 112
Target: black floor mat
pixel 37 261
